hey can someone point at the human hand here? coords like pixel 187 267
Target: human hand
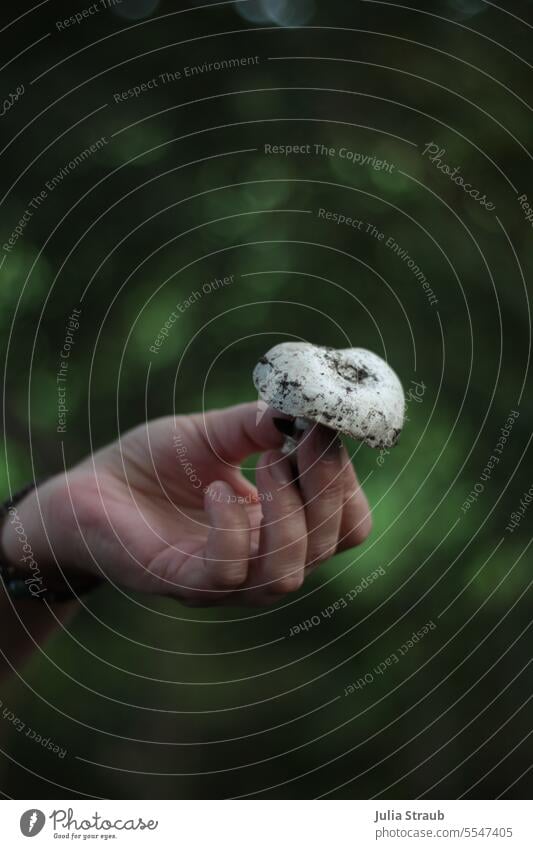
pixel 167 510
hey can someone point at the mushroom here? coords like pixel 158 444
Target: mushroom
pixel 351 390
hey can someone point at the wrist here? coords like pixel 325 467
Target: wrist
pixel 32 560
pixel 21 534
pixel 24 625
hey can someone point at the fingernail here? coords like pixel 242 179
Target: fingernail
pixel 220 492
pixel 326 443
pixel 280 468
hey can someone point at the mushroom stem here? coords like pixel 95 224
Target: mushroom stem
pixel 292 429
pixel 300 426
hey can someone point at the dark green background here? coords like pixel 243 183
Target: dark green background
pixel 150 689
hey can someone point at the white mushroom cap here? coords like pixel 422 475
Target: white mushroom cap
pixel 350 390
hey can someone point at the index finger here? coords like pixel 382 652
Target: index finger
pixel 237 432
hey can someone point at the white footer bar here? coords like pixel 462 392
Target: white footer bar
pixel 267 824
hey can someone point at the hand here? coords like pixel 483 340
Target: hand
pixel 167 510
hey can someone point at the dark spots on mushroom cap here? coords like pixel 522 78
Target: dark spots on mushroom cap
pixel 349 372
pixel 285 384
pixel 396 435
pixel 352 373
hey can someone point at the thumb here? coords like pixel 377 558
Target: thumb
pixel 237 432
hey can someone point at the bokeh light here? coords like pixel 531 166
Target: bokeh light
pixel 282 12
pixel 136 10
pixel 467 8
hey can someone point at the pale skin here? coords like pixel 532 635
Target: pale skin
pixel 166 510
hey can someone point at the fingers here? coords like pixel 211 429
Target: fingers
pixel 217 443
pixel 308 515
pixel 356 523
pixel 280 563
pixel 224 565
pixel 237 432
pixel 321 462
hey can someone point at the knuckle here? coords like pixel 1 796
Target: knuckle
pixel 289 531
pixel 319 552
pixel 233 522
pixel 354 537
pixel 352 496
pixel 331 495
pixel 363 529
pixel 291 582
pixel 230 576
pixel 289 503
pixel 290 546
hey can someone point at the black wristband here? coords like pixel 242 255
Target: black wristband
pixel 21 585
